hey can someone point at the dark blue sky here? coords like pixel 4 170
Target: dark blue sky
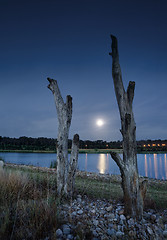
pixel 70 41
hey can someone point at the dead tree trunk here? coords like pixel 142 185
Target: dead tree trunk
pixel 73 164
pixel 64 112
pixel 133 193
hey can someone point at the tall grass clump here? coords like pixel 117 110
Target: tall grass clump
pixel 53 164
pixel 27 205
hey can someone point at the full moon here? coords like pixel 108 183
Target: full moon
pixel 99 122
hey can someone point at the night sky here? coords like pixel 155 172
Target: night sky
pixel 70 41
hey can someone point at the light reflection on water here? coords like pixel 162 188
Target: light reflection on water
pixel 155 166
pixel 149 165
pixel 165 167
pixel 146 167
pixel 86 161
pixel 103 163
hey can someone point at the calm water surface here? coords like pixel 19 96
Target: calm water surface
pixel 149 165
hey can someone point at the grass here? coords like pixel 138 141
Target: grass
pixel 69 150
pixel 99 189
pixel 110 189
pixel 28 201
pixel 27 205
pixel 85 151
pixel 157 195
pixel 99 150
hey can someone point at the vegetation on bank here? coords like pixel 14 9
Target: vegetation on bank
pixel 28 201
pixel 28 144
pixel 99 150
pixel 80 151
pixel 89 151
pixel 27 204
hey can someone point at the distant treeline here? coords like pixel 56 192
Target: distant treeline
pixel 49 144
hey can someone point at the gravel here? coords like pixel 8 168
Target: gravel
pixel 103 220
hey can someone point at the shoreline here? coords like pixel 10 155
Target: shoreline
pixel 90 151
pixel 83 174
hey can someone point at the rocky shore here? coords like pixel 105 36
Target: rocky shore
pixel 101 220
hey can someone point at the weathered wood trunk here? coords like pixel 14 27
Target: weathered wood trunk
pixel 64 112
pixel 133 193
pixel 73 164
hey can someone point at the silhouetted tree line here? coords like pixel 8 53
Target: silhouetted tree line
pixel 49 144
pixel 27 143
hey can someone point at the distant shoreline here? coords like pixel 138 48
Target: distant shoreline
pixel 90 151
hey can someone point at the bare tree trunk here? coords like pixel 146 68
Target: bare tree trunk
pixel 64 112
pixel 73 164
pixel 133 193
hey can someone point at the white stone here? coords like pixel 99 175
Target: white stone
pixel 108 209
pixel 110 232
pixel 80 212
pixel 131 221
pixel 149 230
pixel 1 164
pixel 70 237
pixel 59 233
pixel 122 217
pixel 165 233
pixel 119 234
pixel 74 214
pixel 66 229
pixel 95 222
pixel 111 216
pixel 93 211
pixel 153 217
pixel 79 200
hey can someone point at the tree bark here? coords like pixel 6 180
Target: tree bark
pixel 133 193
pixel 73 164
pixel 64 112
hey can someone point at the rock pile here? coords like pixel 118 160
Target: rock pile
pixel 102 220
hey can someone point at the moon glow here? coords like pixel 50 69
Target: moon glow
pixel 99 122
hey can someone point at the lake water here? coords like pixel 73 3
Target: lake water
pixel 149 165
